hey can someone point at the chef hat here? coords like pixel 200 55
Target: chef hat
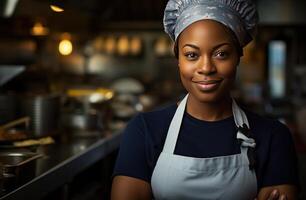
pixel 238 15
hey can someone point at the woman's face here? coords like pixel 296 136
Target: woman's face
pixel 207 60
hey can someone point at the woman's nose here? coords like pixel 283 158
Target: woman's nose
pixel 206 66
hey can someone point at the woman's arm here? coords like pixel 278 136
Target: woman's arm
pixel 280 171
pixel 131 176
pixel 128 188
pixel 288 191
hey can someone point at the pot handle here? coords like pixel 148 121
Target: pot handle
pixel 25 120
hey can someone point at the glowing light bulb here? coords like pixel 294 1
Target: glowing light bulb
pixel 110 45
pixel 65 47
pixel 39 30
pixel 56 8
pixel 135 46
pixel 123 45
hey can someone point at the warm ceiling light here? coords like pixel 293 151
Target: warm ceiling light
pixel 123 45
pixel 99 44
pixel 110 45
pixel 161 46
pixel 65 47
pixel 56 8
pixel 135 45
pixel 39 30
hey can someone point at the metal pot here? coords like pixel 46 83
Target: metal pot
pixel 16 168
pixel 83 121
pixel 7 181
pixel 44 111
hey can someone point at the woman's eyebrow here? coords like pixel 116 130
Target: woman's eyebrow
pixel 192 46
pixel 220 45
pixel 215 47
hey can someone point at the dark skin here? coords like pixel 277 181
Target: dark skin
pixel 207 65
pixel 128 188
pixel 208 59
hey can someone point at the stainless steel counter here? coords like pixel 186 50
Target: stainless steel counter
pixel 62 161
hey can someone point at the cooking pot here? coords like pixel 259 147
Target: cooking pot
pixel 7 181
pixel 16 168
pixel 86 110
pixel 83 121
pixel 44 112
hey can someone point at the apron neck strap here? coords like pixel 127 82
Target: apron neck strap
pixel 239 116
pixel 242 124
pixel 175 125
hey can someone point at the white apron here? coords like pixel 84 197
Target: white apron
pixel 224 177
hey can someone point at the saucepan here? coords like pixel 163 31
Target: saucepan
pixel 17 166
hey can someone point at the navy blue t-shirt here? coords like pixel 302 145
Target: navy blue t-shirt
pixel 144 137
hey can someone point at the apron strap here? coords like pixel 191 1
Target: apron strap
pixel 174 127
pixel 247 143
pixel 239 116
pixel 242 124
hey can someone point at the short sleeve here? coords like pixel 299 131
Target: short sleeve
pixel 131 160
pixel 281 166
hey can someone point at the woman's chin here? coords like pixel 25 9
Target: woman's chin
pixel 209 96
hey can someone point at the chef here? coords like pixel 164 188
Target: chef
pixel 206 146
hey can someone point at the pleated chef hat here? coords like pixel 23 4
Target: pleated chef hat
pixel 238 15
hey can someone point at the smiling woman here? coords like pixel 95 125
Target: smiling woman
pixel 207 65
pixel 207 147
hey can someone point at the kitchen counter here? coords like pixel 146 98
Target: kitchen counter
pixel 63 160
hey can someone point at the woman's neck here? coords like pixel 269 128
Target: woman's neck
pixel 209 111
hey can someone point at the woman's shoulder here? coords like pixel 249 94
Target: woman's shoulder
pixel 168 109
pixel 263 127
pixel 274 145
pixel 152 121
pixel 159 115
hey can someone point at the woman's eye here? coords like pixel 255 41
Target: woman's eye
pixel 221 54
pixel 191 55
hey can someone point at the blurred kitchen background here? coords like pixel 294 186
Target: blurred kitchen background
pixel 73 70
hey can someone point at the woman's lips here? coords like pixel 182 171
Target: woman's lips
pixel 207 86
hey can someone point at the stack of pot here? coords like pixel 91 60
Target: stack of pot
pixel 44 112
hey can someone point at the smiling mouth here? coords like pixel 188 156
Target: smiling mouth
pixel 207 86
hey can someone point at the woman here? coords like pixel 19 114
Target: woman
pixel 206 147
